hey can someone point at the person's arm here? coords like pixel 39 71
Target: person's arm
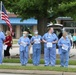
pixel 11 40
pixel 56 40
pixel 59 43
pixel 28 41
pixel 32 40
pixel 19 41
pixel 40 38
pixel 43 39
pixel 69 44
pixel 8 41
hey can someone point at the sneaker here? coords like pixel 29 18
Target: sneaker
pixel 46 65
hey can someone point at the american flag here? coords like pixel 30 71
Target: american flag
pixel 5 17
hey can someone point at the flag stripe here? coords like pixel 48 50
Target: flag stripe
pixel 5 17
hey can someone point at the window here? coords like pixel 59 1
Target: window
pixel 69 23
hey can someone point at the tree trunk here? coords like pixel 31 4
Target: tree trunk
pixel 42 25
pixel 42 28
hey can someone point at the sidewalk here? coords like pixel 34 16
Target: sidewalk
pixel 34 72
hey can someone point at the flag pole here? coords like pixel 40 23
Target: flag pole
pixel 0 14
pixel 1 6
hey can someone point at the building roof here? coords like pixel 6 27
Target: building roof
pixel 64 18
pixel 12 15
pixel 17 21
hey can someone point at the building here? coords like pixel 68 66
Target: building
pixel 18 25
pixel 31 24
pixel 68 23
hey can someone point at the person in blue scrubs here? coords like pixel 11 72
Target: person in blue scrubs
pixel 2 38
pixel 50 39
pixel 36 41
pixel 64 48
pixel 24 43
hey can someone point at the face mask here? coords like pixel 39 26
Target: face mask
pixel 23 34
pixel 35 32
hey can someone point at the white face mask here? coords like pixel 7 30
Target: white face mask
pixel 35 32
pixel 24 35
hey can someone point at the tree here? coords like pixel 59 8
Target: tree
pixel 43 10
pixel 68 9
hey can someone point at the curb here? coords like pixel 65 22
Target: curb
pixel 38 72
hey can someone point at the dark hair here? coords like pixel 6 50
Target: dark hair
pixel 49 28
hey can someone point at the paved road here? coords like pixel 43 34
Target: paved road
pixel 33 72
pixel 15 51
pixel 11 74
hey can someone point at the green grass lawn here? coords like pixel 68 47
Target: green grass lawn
pixel 15 41
pixel 41 68
pixel 48 68
pixel 17 60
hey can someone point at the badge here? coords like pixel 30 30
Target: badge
pixel 49 44
pixel 65 47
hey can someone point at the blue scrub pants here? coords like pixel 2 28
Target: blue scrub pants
pixel 1 58
pixel 24 57
pixel 64 57
pixel 50 56
pixel 36 55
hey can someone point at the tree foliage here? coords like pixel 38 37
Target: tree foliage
pixel 42 10
pixel 68 9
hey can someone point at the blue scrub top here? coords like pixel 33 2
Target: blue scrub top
pixel 50 38
pixel 26 40
pixel 2 37
pixel 36 37
pixel 65 42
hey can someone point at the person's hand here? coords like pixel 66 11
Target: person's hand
pixel 53 42
pixel 21 43
pixel 26 43
pixel 34 41
pixel 62 45
pixel 44 41
pixel 4 43
pixel 40 41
